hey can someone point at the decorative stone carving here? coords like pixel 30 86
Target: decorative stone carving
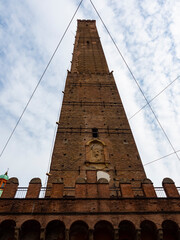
pixel 96 154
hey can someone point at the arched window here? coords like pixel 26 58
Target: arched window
pixel 7 230
pixel 127 230
pixel 79 231
pixel 55 230
pixel 148 230
pixel 103 230
pixel 170 230
pixel 30 230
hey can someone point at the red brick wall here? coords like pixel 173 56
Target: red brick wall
pixel 91 100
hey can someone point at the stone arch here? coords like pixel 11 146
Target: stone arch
pixel 55 230
pixel 95 140
pixel 7 229
pixel 30 230
pixel 170 230
pixel 148 230
pixel 79 230
pixel 103 230
pixel 127 230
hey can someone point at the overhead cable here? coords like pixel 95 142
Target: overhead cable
pixel 160 158
pixel 134 78
pixel 154 97
pixel 17 123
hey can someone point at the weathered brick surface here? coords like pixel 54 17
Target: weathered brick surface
pixel 81 190
pixel 91 100
pixel 148 188
pixel 34 188
pixel 11 188
pixel 91 210
pixel 103 190
pixel 57 190
pixel 170 188
pixel 126 190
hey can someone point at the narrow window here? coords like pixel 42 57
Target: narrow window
pixel 95 132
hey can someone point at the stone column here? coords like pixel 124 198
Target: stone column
pixel 16 233
pixel 90 234
pixel 42 234
pixel 116 234
pixel 67 234
pixel 138 234
pixel 160 234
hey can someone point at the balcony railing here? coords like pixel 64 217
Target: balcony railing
pixel 70 191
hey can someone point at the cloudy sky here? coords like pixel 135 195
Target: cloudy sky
pixel 148 35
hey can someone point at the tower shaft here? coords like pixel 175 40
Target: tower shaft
pixel 93 131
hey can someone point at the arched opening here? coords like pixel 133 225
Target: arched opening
pixel 170 230
pixel 30 230
pixel 7 230
pixel 148 230
pixel 55 230
pixel 103 230
pixel 127 230
pixel 79 230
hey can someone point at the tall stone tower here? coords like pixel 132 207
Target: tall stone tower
pixel 93 130
pixel 97 188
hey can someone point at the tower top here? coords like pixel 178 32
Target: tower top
pixel 88 55
pixel 5 176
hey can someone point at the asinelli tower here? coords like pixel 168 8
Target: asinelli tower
pixel 93 130
pixel 97 188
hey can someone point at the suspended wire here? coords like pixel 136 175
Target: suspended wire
pixel 17 123
pixel 135 80
pixel 154 98
pixel 160 158
pixel 53 141
pixel 50 155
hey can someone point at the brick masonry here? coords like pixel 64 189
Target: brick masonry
pixel 91 100
pixel 93 135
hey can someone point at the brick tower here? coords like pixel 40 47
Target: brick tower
pixel 93 130
pixel 97 188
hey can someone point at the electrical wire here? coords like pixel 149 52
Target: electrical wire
pixel 160 158
pixel 154 98
pixel 134 78
pixel 17 123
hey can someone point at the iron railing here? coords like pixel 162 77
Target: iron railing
pixel 70 191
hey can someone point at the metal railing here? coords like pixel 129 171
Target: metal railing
pixel 70 191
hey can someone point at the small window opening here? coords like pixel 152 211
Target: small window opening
pixel 95 132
